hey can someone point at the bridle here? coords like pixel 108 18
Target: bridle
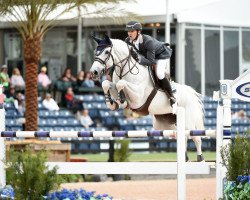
pixel 123 62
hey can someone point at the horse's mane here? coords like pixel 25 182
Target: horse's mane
pixel 120 47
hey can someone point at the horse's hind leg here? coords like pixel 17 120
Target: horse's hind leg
pixel 108 86
pixel 198 143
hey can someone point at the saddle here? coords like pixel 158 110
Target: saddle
pixel 143 110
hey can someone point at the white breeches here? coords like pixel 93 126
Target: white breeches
pixel 161 68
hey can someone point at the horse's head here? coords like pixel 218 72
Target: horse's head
pixel 103 58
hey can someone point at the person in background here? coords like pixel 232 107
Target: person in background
pixel 80 78
pixel 85 119
pixel 241 114
pixel 68 77
pixel 4 78
pixel 17 80
pixel 88 82
pixel 11 96
pixel 49 103
pixel 73 103
pixel 19 103
pixel 43 79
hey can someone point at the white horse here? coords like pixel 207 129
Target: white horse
pixel 132 87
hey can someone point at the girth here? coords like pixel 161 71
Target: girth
pixel 143 110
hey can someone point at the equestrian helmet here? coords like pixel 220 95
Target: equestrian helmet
pixel 133 25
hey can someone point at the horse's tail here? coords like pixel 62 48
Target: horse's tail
pixel 188 98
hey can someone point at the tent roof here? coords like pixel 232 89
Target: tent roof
pixel 223 12
pixel 149 10
pixel 211 12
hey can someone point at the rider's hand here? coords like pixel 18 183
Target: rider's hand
pixel 134 54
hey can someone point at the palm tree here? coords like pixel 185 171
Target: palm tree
pixel 32 19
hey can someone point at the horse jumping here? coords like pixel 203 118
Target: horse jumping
pixel 132 87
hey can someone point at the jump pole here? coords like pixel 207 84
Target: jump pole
pixel 2 144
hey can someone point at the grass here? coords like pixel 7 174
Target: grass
pixel 143 157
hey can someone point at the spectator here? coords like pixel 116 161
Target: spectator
pixel 49 103
pixel 80 78
pixel 67 76
pixel 19 103
pixel 4 77
pixel 11 96
pixel 43 80
pixel 88 82
pixel 16 80
pixel 241 114
pixel 72 103
pixel 85 119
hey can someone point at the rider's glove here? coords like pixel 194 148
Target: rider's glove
pixel 134 54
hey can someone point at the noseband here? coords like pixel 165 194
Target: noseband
pixel 104 62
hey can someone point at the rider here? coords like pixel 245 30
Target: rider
pixel 151 52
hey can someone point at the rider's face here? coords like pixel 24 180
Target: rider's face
pixel 133 34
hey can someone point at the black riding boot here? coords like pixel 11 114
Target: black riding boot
pixel 165 85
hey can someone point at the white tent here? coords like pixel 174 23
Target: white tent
pixel 222 13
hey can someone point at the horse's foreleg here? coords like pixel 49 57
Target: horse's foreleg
pixel 107 86
pixel 121 99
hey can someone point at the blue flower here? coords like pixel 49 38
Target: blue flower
pixel 81 194
pixel 7 192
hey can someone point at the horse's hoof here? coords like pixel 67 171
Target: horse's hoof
pixel 187 158
pixel 124 105
pixel 200 158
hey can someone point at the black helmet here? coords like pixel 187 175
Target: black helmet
pixel 133 25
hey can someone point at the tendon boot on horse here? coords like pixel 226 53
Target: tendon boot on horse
pixel 165 85
pixel 121 97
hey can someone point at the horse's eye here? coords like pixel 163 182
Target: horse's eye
pixel 106 52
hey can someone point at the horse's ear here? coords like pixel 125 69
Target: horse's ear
pixel 106 37
pixel 96 39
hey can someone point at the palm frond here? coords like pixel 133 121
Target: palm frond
pixel 30 16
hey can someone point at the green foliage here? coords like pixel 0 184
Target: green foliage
pixel 70 178
pixel 122 151
pixel 236 157
pixel 29 176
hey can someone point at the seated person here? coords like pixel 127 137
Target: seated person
pixel 11 96
pixel 88 82
pixel 72 103
pixel 19 103
pixel 43 80
pixel 240 115
pixel 49 103
pixel 85 119
pixel 80 78
pixel 68 76
pixel 16 80
pixel 4 78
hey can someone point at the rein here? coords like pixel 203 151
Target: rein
pixel 126 59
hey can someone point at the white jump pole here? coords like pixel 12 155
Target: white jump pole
pixel 219 143
pixel 2 144
pixel 181 148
